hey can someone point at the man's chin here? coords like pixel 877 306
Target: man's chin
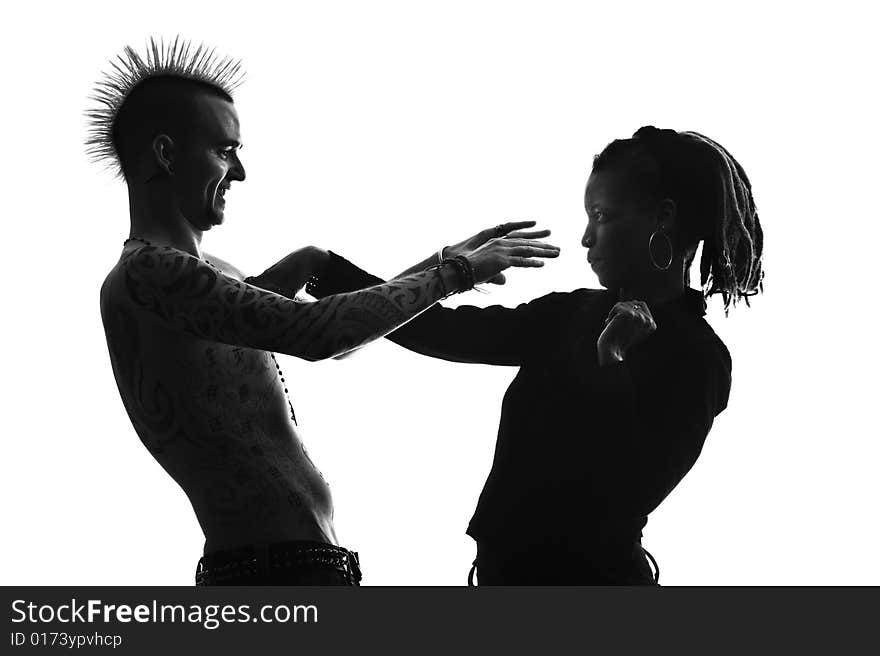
pixel 206 221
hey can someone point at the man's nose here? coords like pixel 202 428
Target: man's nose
pixel 237 172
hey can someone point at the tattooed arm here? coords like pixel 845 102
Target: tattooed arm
pixel 307 265
pixel 182 292
pixel 491 335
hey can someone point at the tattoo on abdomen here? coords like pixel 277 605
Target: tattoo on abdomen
pixel 213 424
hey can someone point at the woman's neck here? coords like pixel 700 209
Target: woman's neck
pixel 656 289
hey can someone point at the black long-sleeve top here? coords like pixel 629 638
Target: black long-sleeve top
pixel 584 453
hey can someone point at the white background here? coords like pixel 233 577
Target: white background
pixel 383 130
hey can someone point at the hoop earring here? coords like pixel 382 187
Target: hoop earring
pixel 651 251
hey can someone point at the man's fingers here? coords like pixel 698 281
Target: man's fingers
pixel 512 243
pixel 504 229
pixel 510 226
pixel 535 250
pixel 500 279
pixel 528 234
pixel 524 262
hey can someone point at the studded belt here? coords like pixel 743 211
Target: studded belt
pixel 264 561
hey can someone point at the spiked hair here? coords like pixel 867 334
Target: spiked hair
pixel 714 200
pixel 175 63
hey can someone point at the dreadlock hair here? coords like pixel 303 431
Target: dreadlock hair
pixel 713 199
pixel 143 96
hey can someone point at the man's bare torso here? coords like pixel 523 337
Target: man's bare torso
pixel 216 417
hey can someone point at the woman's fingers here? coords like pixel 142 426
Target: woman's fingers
pixel 614 312
pixel 619 308
pixel 638 311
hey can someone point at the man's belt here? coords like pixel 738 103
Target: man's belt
pixel 264 561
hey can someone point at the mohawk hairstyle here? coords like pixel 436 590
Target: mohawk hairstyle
pixel 178 60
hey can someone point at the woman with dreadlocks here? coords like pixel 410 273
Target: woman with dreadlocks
pixel 617 388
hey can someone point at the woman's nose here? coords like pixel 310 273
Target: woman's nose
pixel 588 239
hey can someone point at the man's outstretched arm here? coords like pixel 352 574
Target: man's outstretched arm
pixel 494 335
pixel 307 266
pixel 184 293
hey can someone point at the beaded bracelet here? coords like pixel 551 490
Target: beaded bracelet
pixel 312 285
pixel 460 270
pixel 467 269
pixel 463 268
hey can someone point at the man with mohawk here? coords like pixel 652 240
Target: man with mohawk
pixel 191 338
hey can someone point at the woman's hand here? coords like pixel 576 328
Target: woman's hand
pixel 288 275
pixel 510 230
pixel 628 323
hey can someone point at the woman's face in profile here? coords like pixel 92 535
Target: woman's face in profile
pixel 619 225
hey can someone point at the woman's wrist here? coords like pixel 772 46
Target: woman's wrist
pixel 289 275
pixel 320 260
pixel 264 282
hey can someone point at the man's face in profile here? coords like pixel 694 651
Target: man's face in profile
pixel 207 161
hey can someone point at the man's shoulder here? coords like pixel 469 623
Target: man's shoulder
pixel 158 262
pixel 110 285
pixel 154 266
pixel 141 271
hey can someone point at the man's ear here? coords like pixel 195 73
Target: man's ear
pixel 163 153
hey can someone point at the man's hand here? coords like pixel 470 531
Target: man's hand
pixel 510 230
pixel 628 323
pixel 498 253
pixel 290 274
